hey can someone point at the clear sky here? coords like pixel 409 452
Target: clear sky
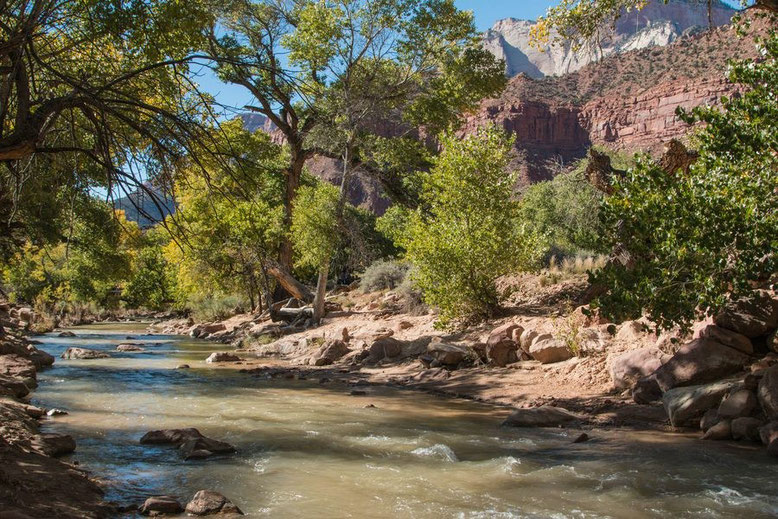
pixel 486 13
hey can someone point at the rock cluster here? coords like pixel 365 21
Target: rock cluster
pixel 722 381
pixel 204 502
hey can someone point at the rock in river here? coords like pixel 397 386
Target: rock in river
pixel 129 347
pixel 222 356
pixel 207 502
pixel 544 416
pixel 191 442
pixel 66 334
pixel 161 505
pixel 83 353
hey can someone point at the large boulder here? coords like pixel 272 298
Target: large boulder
pixel 545 416
pixel 753 316
pixel 12 386
pixel 53 444
pixel 626 369
pixel 631 332
pixel 83 353
pixel 699 362
pixel 505 332
pixel 526 339
pixel 719 432
pixel 550 350
pixel 446 354
pixel 329 352
pixel 746 429
pixel 686 405
pixel 727 338
pixel 772 342
pixel 769 433
pixel 385 348
pixel 768 392
pixel 222 356
pixel 20 367
pixel 207 502
pixel 161 505
pixel 646 390
pixel 192 443
pixel 502 353
pixel 739 404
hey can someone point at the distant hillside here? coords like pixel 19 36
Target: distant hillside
pixel 657 25
pixel 146 207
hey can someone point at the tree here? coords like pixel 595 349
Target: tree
pixel 316 66
pixel 315 234
pixel 691 239
pixel 466 236
pixel 228 224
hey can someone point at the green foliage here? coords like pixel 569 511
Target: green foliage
pixel 693 238
pixel 216 306
pixel 228 224
pixel 383 275
pixel 466 236
pixel 565 211
pixel 315 231
pixel 151 284
pixel 361 243
pixel 395 224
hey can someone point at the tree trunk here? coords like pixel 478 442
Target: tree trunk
pixel 321 293
pixel 292 184
pixel 290 284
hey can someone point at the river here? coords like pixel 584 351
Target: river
pixel 310 450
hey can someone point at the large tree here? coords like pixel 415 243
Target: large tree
pixel 340 67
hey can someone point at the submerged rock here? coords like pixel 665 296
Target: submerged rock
pixel 161 505
pixel 127 347
pixel 192 443
pixel 83 353
pixel 207 502
pixel 66 334
pixel 545 416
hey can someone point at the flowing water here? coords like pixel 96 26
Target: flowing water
pixel 310 450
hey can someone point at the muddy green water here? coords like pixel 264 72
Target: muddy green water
pixel 306 450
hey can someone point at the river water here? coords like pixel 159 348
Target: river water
pixel 315 451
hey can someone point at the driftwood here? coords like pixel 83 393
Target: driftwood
pixel 290 284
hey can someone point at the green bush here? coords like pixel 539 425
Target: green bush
pixel 695 238
pixel 383 275
pixel 464 238
pixel 217 307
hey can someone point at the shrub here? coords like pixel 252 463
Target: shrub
pixel 383 275
pixel 465 237
pixel 216 307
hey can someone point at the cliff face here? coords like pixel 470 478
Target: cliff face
pixel 626 102
pixel 658 24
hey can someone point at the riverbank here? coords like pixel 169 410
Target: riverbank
pixel 542 354
pixel 33 483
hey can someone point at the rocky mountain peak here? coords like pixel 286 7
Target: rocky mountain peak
pixel 658 24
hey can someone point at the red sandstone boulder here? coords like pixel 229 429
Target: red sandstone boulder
pixel 385 348
pixel 768 393
pixel 746 429
pixel 727 338
pixel 700 361
pixel 206 502
pixel 626 369
pixel 548 351
pixel 753 316
pixel 739 404
pixel 161 505
pixel 330 352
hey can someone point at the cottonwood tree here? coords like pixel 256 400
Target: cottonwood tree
pixel 99 89
pixel 346 68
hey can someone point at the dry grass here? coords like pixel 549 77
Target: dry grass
pixel 570 267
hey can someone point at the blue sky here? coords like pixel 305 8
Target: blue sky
pixel 486 13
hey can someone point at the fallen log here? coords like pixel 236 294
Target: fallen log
pixel 290 284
